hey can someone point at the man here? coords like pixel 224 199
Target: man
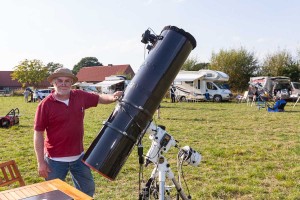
pixel 26 94
pixel 61 114
pixel 173 96
pixel 278 106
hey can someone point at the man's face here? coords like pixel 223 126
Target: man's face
pixel 62 85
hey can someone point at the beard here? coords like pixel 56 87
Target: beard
pixel 63 91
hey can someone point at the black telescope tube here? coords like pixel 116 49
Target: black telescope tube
pixel 115 141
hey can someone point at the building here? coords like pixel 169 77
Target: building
pixel 7 84
pixel 87 74
pixel 98 73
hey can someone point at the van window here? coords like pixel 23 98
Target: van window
pixel 222 85
pixel 296 85
pixel 211 86
pixel 280 86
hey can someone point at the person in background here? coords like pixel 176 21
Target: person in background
pixel 35 96
pixel 31 96
pixel 173 96
pixel 60 115
pixel 26 95
pixel 278 106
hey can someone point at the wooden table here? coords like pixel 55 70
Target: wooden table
pixel 43 187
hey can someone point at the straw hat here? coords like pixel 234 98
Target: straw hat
pixel 62 72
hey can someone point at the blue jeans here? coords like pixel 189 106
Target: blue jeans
pixel 81 174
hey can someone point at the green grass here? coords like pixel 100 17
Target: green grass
pixel 247 153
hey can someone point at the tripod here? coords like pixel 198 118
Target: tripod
pixel 163 170
pixel 161 143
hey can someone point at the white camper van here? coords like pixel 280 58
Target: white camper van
pixel 275 86
pixel 201 85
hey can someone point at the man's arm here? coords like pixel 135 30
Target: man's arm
pixel 38 140
pixel 109 98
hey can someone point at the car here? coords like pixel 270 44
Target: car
pixel 42 93
pixel 295 90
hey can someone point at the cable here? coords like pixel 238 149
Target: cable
pixel 152 31
pixel 180 154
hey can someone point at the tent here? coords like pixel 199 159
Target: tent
pixel 108 83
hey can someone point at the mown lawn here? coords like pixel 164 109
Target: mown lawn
pixel 247 153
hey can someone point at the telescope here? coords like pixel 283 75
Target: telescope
pixel 132 115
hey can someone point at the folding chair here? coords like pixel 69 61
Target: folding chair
pixel 10 174
pixel 243 98
pixel 261 102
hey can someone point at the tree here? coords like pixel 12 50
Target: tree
pixel 86 62
pixel 189 64
pixel 192 64
pixel 53 66
pixel 293 71
pixel 199 66
pixel 239 64
pixel 30 72
pixel 281 63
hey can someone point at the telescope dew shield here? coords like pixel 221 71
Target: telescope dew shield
pixel 115 141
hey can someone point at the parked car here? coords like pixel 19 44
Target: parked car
pixel 42 93
pixel 295 90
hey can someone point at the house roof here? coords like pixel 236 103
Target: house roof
pixel 6 81
pixel 98 73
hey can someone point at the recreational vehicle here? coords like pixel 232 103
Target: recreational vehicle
pixel 202 85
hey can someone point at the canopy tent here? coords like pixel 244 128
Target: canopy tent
pixel 108 83
pixel 83 84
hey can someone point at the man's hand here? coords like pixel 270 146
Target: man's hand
pixel 117 95
pixel 43 169
pixel 110 98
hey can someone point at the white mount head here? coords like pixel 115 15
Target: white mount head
pixel 161 142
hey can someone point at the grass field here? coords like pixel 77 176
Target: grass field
pixel 247 153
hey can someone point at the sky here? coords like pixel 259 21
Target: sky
pixel 65 31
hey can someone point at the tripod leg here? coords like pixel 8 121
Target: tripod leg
pixel 162 181
pixel 179 190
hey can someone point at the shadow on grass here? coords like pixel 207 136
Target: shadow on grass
pixel 292 111
pixel 22 126
pixel 201 108
pixel 181 119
